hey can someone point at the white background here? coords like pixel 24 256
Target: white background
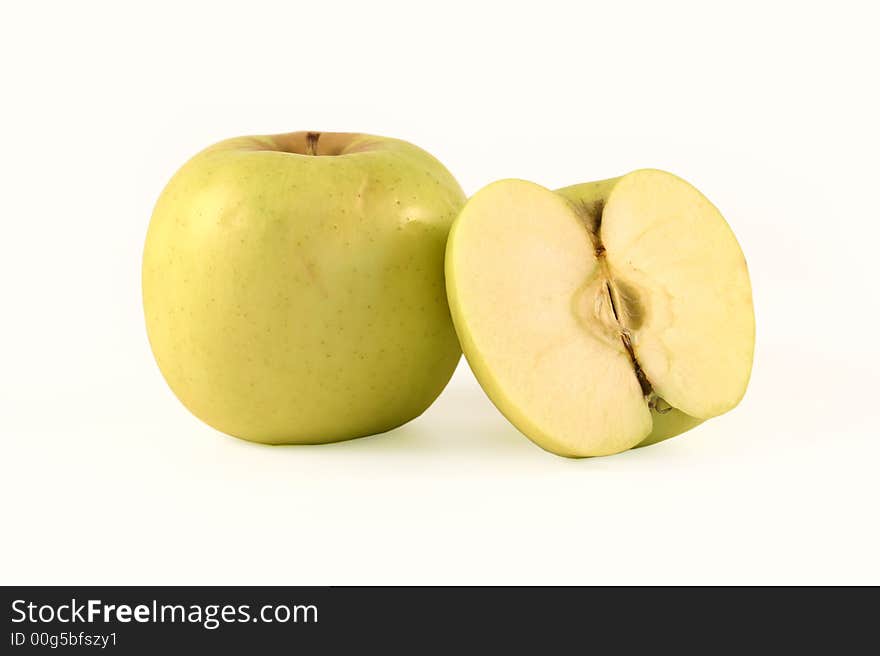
pixel 769 108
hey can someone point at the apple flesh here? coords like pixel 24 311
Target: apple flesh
pixel 602 316
pixel 293 285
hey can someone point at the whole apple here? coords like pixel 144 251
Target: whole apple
pixel 293 285
pixel 606 315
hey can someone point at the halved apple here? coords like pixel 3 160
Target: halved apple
pixel 601 316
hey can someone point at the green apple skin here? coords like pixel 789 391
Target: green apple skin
pixel 669 423
pixel 293 285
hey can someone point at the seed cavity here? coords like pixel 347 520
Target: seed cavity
pixel 626 306
pixel 611 300
pixel 630 305
pixel 644 383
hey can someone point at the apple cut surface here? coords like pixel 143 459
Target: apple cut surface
pixel 521 273
pixel 695 341
pixel 602 316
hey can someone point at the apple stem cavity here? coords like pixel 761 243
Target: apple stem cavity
pixel 591 215
pixel 312 143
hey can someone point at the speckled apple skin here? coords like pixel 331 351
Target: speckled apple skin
pixel 295 298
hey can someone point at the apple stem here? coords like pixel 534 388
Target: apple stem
pixel 312 143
